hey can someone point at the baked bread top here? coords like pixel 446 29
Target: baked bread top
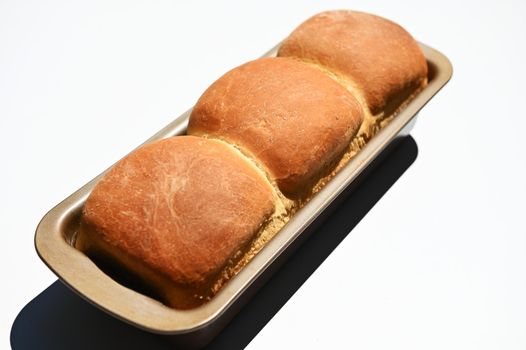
pixel 374 55
pixel 180 207
pixel 287 115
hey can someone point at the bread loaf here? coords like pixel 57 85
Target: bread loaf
pixel 185 214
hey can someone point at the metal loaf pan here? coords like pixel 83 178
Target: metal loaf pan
pixel 197 327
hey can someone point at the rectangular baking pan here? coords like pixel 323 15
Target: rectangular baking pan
pixel 197 327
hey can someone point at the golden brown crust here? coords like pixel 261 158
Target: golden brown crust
pixel 378 55
pixel 175 211
pixel 180 212
pixel 289 116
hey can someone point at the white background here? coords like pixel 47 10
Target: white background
pixel 438 263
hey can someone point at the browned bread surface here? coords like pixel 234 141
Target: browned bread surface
pixel 289 116
pixel 378 55
pixel 174 212
pixel 184 214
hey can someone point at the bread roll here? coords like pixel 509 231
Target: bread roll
pixel 174 213
pixel 373 56
pixel 288 116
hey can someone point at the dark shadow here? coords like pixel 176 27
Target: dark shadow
pixel 59 319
